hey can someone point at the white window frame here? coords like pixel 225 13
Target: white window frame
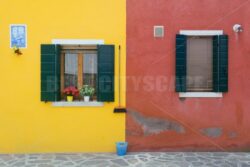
pixel 201 94
pixel 201 32
pixel 78 42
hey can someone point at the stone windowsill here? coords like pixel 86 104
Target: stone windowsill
pixel 200 95
pixel 78 104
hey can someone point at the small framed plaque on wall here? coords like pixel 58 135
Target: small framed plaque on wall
pixel 18 35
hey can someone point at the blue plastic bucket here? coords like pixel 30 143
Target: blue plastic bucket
pixel 121 148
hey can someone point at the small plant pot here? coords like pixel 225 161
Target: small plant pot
pixel 86 98
pixel 69 98
pixel 121 148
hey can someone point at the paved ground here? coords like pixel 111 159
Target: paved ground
pixel 132 159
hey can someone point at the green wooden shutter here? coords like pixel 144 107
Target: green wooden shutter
pixel 105 90
pixel 220 63
pixel 181 63
pixel 50 72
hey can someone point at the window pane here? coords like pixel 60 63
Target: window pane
pixel 199 64
pixel 71 70
pixel 90 69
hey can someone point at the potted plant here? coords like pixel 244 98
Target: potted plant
pixel 70 92
pixel 86 92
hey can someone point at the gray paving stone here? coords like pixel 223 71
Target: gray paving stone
pixel 39 161
pixel 143 159
pixel 160 159
pixel 61 158
pixel 218 154
pixel 233 164
pixel 47 156
pixel 120 162
pixel 197 163
pixel 155 164
pixel 204 159
pixel 191 159
pixel 211 165
pixel 92 162
pixel 11 162
pixel 142 156
pixel 2 164
pixel 19 164
pixel 6 157
pixel 132 161
pixel 75 157
pixel 245 165
pixel 101 157
pixel 46 165
pixel 19 155
pixel 225 165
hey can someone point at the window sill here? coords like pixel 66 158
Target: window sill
pixel 78 104
pixel 201 94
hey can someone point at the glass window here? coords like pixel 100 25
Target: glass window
pixel 71 70
pixel 90 69
pixel 79 67
pixel 199 64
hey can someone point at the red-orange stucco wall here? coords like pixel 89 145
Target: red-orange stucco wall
pixel 157 119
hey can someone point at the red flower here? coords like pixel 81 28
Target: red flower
pixel 71 91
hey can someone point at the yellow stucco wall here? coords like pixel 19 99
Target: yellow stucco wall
pixel 28 125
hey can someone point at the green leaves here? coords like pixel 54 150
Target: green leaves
pixel 87 90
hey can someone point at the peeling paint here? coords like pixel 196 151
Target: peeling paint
pixel 232 134
pixel 212 132
pixel 153 126
pixel 133 133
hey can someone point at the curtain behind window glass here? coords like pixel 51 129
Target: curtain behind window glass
pixel 199 64
pixel 90 69
pixel 71 70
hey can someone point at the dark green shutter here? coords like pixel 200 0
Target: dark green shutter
pixel 181 63
pixel 50 72
pixel 220 63
pixel 105 92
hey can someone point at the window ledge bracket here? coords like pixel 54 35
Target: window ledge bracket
pixel 77 104
pixel 200 94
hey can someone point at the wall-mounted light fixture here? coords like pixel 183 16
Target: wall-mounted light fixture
pixel 237 28
pixel 17 51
